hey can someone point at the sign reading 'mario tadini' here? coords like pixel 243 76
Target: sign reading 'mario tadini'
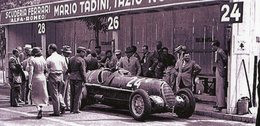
pixel 70 9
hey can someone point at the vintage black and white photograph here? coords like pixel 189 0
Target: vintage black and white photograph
pixel 129 62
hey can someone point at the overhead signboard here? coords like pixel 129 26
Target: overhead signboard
pixel 70 9
pixel 232 12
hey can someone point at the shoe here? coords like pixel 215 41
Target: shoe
pixel 67 109
pixel 215 106
pixel 77 112
pixel 17 106
pixel 53 114
pixel 39 116
pixel 62 110
pixel 218 109
pixel 19 100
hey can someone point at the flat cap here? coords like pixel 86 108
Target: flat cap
pixel 81 48
pixel 66 49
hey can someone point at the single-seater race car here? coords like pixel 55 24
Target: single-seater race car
pixel 142 96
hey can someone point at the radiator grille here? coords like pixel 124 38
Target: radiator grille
pixel 168 95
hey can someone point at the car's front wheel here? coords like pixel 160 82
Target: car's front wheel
pixel 139 105
pixel 185 106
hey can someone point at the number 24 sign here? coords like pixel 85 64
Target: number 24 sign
pixel 232 12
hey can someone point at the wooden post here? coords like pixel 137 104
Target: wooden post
pixel 43 43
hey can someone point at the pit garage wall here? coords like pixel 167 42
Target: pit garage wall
pixel 246 32
pixel 191 27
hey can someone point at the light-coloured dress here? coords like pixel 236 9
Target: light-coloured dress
pixel 38 80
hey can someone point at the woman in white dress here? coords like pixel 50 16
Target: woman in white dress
pixel 37 80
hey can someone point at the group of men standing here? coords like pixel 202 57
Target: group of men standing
pixel 67 75
pixel 20 90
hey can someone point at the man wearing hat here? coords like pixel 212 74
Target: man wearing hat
pixel 91 60
pixel 57 67
pixel 15 78
pixel 77 70
pixel 130 63
pixel 112 62
pixel 66 51
pixel 117 57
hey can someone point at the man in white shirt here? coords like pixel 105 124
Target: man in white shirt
pixel 56 68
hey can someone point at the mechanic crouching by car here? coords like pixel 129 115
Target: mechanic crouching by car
pixel 130 62
pixel 186 71
pixel 77 70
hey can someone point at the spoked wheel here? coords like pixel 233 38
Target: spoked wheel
pixel 139 105
pixel 186 105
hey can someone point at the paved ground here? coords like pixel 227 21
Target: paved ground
pixel 97 115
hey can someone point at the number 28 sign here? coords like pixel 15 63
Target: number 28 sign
pixel 232 12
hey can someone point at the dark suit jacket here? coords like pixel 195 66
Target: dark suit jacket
pixel 221 61
pixel 15 70
pixel 77 68
pixel 187 72
pixel 146 62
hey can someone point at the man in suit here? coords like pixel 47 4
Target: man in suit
pixel 91 60
pixel 146 62
pixel 220 61
pixel 157 66
pixel 186 70
pixel 57 67
pixel 66 51
pixel 130 62
pixel 15 78
pixel 77 69
pixel 135 52
pixel 167 59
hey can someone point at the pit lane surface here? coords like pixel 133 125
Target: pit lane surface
pixel 97 115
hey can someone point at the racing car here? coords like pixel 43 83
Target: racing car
pixel 142 96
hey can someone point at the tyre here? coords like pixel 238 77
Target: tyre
pixel 185 109
pixel 139 105
pixel 86 99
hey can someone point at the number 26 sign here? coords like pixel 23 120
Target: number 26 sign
pixel 232 12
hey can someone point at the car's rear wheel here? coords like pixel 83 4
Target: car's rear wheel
pixel 186 108
pixel 139 105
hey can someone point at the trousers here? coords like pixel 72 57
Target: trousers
pixel 76 87
pixel 15 95
pixel 55 84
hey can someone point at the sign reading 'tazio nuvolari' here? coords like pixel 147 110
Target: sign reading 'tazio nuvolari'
pixel 70 9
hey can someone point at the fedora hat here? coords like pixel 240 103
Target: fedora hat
pixel 129 50
pixel 66 49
